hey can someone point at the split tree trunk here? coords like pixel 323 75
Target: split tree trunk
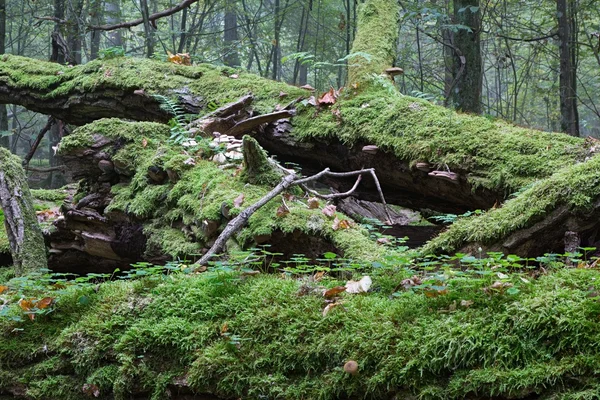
pixel 24 235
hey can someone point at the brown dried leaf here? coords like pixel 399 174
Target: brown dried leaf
pixel 144 142
pixel 312 101
pixel 224 328
pixel 318 276
pixel 91 390
pixel 44 303
pixel 340 224
pixel 3 289
pixel 282 211
pixel 328 97
pixel 466 303
pixel 330 307
pixel 239 200
pixel 179 58
pixel 26 305
pixel 328 294
pixel 313 203
pixel 329 210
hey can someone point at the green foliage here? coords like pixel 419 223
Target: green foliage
pixel 111 52
pixel 232 335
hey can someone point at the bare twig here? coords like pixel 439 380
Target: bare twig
pixel 139 21
pixel 288 181
pixel 43 170
pixel 38 140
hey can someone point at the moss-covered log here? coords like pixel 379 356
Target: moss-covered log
pixel 425 156
pixel 24 236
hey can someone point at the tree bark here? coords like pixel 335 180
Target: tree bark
pixel 112 12
pixel 24 235
pixel 4 139
pixel 569 117
pixel 231 56
pixel 467 83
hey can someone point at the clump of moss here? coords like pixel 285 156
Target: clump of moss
pixel 235 337
pixel 576 186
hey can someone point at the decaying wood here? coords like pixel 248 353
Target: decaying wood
pixel 287 181
pixel 249 124
pixel 24 235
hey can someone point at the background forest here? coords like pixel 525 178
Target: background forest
pixel 539 61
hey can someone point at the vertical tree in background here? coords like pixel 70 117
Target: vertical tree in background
pixel 276 42
pixel 230 35
pixel 148 28
pixel 465 89
pixel 569 117
pixel 95 35
pixel 112 13
pixel 4 140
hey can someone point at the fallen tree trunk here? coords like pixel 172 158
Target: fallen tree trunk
pixel 426 156
pixel 24 235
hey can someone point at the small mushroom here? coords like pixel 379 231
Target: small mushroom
pixel 423 166
pixel 448 176
pixel 370 149
pixel 393 71
pixel 351 367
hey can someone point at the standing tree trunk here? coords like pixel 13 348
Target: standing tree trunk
pixel 4 140
pixel 569 117
pixel 112 13
pixel 276 44
pixel 24 235
pixel 466 87
pixel 231 57
pixel 148 28
pixel 95 19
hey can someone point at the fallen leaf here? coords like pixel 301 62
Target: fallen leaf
pixel 44 303
pixel 330 307
pixel 410 282
pixel 466 303
pixel 91 390
pixel 312 101
pixel 234 76
pixel 329 97
pixel 318 276
pixel 501 275
pixel 224 328
pixel 334 291
pixel 26 305
pixel 282 211
pixel 313 203
pixel 282 94
pixel 361 286
pixel 3 289
pixel 329 210
pixel 340 224
pixel 239 200
pixel 179 58
pixel 144 142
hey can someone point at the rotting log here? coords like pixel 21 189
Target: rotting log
pixel 24 235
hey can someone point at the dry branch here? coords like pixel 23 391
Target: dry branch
pixel 247 125
pixel 139 21
pixel 288 181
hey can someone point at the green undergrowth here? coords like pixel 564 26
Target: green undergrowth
pixel 445 333
pixel 575 187
pixel 200 193
pixel 492 154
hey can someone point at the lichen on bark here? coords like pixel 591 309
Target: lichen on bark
pixel 24 235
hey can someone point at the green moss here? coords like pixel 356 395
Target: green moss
pixel 494 155
pixel 52 195
pixel 29 253
pixel 256 337
pixel 577 187
pixel 377 36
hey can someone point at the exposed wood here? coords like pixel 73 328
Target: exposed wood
pixel 24 235
pixel 247 125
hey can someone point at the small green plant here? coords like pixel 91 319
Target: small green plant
pixel 111 52
pixel 451 218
